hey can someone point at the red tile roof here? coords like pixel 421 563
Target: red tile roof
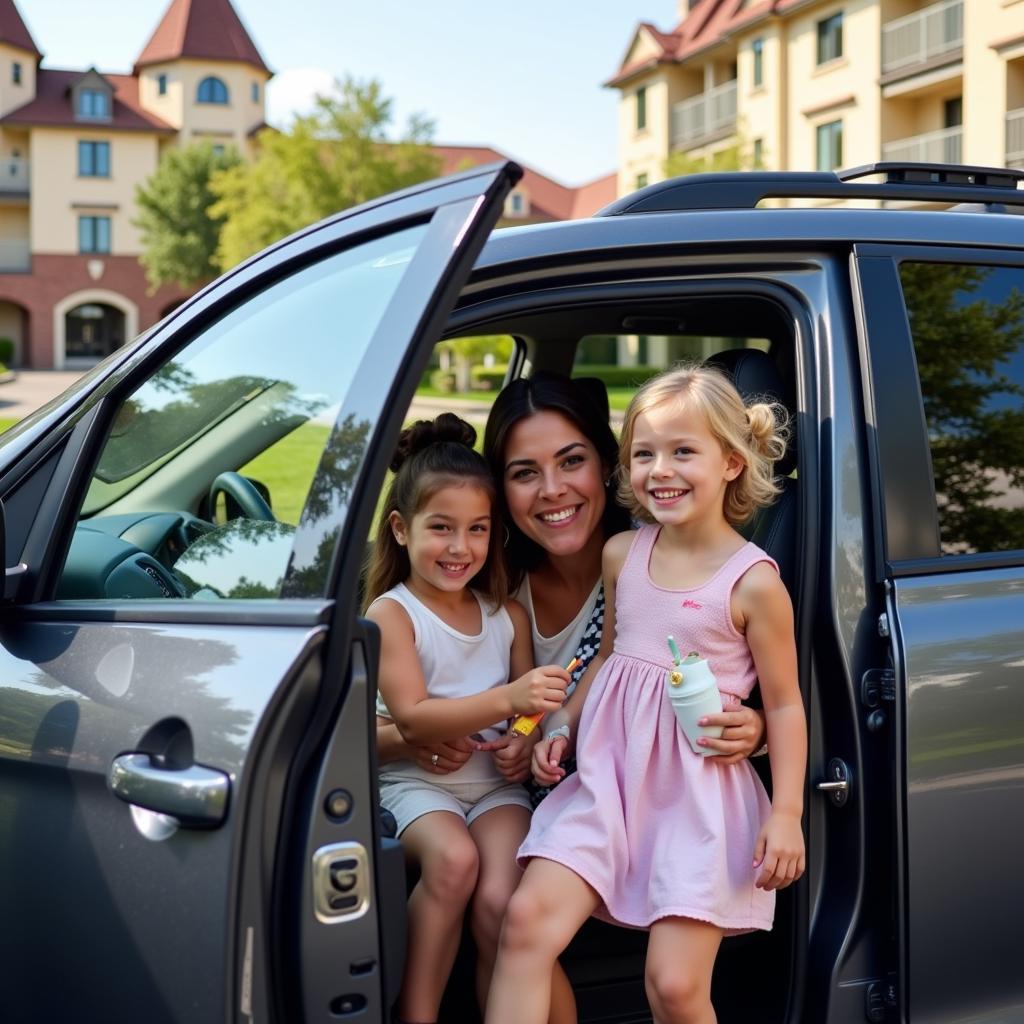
pixel 203 30
pixel 549 200
pixel 708 24
pixel 595 195
pixel 52 105
pixel 13 30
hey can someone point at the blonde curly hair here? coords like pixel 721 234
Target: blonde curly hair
pixel 757 433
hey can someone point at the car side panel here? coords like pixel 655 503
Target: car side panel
pixel 962 640
pixel 92 907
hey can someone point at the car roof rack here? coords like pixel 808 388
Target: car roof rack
pixel 993 187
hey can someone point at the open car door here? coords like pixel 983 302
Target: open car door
pixel 187 771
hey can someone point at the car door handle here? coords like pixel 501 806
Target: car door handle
pixel 196 795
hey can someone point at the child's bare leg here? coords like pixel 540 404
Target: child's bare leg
pixel 545 912
pixel 447 856
pixel 680 957
pixel 498 834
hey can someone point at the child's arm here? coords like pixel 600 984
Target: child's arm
pixel 549 754
pixel 423 719
pixel 512 751
pixel 766 617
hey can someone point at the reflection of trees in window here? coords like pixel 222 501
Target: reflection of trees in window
pixel 189 408
pixel 968 328
pixel 325 509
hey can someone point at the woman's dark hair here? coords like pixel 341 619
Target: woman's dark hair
pixel 431 455
pixel 584 403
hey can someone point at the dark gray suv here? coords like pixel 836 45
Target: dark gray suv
pixel 188 819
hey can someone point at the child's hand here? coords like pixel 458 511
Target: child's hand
pixel 547 760
pixel 539 691
pixel 512 755
pixel 779 851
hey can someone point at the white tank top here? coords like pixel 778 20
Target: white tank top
pixel 456 665
pixel 560 648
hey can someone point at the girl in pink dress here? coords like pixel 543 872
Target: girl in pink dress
pixel 648 833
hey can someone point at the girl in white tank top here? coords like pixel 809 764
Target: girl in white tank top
pixel 455 662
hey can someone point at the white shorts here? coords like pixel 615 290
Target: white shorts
pixel 410 798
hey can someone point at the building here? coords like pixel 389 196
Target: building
pixel 536 197
pixel 74 144
pixel 819 84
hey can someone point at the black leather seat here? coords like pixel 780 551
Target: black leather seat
pixel 774 529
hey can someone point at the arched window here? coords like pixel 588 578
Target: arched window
pixel 212 90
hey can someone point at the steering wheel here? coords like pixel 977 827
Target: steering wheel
pixel 245 495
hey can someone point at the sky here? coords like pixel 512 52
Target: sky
pixel 524 78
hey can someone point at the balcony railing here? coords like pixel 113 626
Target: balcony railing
pixel 13 175
pixel 14 257
pixel 920 37
pixel 705 115
pixel 943 147
pixel 1015 138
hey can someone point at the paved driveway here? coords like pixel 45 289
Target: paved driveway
pixel 31 389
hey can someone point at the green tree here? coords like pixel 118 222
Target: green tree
pixel 964 341
pixel 737 156
pixel 332 159
pixel 179 233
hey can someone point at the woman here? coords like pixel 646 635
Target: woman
pixel 553 454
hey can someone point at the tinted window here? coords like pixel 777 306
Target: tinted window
pixel 968 329
pixel 257 392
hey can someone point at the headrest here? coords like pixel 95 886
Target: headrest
pixel 757 378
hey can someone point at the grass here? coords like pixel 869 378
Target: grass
pixel 287 469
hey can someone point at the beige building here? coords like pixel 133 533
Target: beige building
pixel 820 84
pixel 75 144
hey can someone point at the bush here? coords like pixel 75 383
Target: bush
pixel 6 352
pixel 488 378
pixel 442 380
pixel 617 376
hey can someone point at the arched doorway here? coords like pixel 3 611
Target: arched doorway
pixel 92 331
pixel 13 333
pixel 89 324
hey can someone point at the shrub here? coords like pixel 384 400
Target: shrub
pixel 442 380
pixel 488 378
pixel 617 376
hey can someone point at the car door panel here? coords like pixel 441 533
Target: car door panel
pixel 153 920
pixel 76 694
pixel 948 685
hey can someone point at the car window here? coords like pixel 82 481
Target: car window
pixel 967 323
pixel 208 464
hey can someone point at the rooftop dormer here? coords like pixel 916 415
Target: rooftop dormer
pixel 92 98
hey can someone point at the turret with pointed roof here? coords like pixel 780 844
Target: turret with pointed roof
pixel 199 30
pixel 14 31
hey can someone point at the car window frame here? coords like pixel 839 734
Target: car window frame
pixel 902 481
pixel 86 422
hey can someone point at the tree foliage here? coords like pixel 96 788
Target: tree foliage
pixel 179 233
pixel 336 157
pixel 968 329
pixel 737 156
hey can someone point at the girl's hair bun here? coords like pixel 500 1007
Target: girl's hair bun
pixel 444 428
pixel 769 429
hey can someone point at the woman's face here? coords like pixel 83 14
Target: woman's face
pixel 554 482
